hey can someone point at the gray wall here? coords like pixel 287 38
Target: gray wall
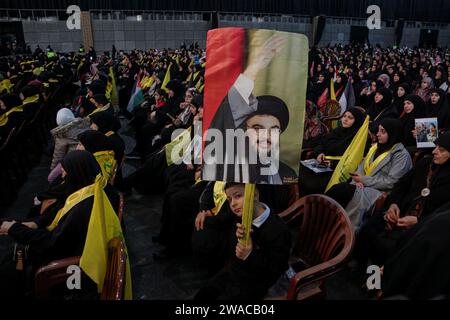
pixel 335 33
pixel 53 33
pixel 145 34
pixel 444 37
pixel 410 37
pixel 384 36
pixel 280 26
pixel 128 35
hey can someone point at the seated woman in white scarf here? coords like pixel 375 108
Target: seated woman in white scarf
pixel 385 163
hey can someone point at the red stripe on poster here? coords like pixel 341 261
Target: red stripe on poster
pixel 224 63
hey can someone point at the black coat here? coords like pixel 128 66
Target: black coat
pixel 408 188
pixel 251 278
pixel 419 268
pixel 67 239
pixel 15 119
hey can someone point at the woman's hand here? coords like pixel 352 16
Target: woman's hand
pixel 407 222
pixel 200 219
pixel 391 216
pixel 5 226
pixel 31 225
pixel 414 133
pixel 321 158
pixel 357 177
pixel 360 185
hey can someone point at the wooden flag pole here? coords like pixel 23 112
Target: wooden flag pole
pixel 247 212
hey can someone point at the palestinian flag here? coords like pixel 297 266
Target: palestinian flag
pixel 137 96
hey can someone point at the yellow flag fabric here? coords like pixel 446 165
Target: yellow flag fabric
pixel 147 82
pixel 5 85
pixel 107 163
pixel 114 93
pixel 71 201
pixel 332 93
pixel 31 99
pixel 176 149
pixel 352 157
pixel 370 166
pixel 103 226
pixel 219 196
pixel 199 84
pixel 166 79
pixel 4 117
pixel 247 212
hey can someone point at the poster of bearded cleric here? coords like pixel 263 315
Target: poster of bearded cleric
pixel 254 105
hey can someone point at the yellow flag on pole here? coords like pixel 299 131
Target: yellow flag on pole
pixel 176 149
pixel 247 211
pixel 103 226
pixel 352 157
pixel 332 93
pixel 166 78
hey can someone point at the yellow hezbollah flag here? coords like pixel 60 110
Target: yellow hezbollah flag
pixel 351 157
pixel 5 85
pixel 166 79
pixel 176 149
pixel 147 82
pixel 219 196
pixel 114 94
pixel 247 212
pixel 103 226
pixel 107 162
pixel 332 93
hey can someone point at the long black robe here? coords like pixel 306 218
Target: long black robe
pixel 377 244
pixel 419 269
pixel 251 278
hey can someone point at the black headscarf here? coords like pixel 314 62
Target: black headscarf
pixel 319 88
pixel 176 86
pixel 337 141
pixel 376 108
pixel 393 128
pixel 29 91
pixel 97 87
pixel 81 168
pixel 440 110
pixel 398 101
pixel 408 119
pixel 94 141
pixel 10 100
pixel 105 121
pixel 341 86
pixel 444 141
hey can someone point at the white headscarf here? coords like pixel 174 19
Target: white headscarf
pixel 64 116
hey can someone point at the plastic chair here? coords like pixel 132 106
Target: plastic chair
pixel 324 242
pixel 56 273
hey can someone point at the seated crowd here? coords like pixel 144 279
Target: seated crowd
pixel 157 92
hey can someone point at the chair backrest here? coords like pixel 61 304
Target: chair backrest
pixel 114 284
pixel 56 272
pixel 121 205
pixel 323 243
pixel 325 229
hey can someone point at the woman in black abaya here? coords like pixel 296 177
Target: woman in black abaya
pixel 419 268
pixel 334 144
